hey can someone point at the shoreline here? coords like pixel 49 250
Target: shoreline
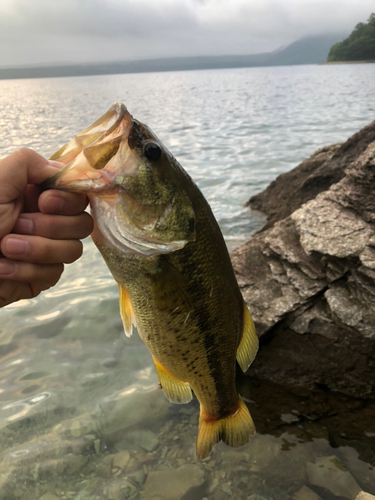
pixel 370 61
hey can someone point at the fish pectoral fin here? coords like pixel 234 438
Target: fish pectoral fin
pixel 234 430
pixel 175 390
pixel 126 311
pixel 249 344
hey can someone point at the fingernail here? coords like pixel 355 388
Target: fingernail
pixel 7 268
pixel 24 225
pixel 16 246
pixel 56 164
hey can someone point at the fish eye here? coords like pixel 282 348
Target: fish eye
pixel 152 151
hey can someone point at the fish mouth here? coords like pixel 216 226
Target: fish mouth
pixel 107 161
pixel 94 157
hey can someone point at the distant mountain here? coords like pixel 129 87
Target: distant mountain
pixel 307 50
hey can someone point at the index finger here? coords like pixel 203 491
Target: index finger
pixel 19 169
pixel 56 202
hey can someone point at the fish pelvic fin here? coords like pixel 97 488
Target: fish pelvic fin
pixel 175 390
pixel 126 311
pixel 234 430
pixel 249 344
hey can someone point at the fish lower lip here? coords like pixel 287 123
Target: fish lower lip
pixel 86 184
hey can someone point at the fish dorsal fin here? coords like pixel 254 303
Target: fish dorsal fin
pixel 175 390
pixel 126 311
pixel 249 342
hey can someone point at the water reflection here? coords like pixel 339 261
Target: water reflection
pixel 20 408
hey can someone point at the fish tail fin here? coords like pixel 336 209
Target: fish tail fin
pixel 234 430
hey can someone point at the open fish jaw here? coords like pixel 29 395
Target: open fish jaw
pixel 93 157
pixel 136 209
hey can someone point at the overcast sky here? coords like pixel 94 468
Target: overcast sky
pixel 45 31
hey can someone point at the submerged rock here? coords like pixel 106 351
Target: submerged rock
pixel 309 278
pixel 145 439
pixel 255 497
pixel 331 474
pixel 121 459
pixel 362 471
pixel 48 496
pixel 365 496
pixel 306 494
pixel 186 481
pixel 220 495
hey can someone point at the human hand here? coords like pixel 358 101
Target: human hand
pixel 39 231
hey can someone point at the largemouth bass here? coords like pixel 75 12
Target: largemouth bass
pixel 164 248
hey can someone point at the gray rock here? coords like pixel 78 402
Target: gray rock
pixel 74 463
pixel 227 489
pixel 329 229
pixel 306 494
pixel 213 484
pixel 220 495
pixel 119 489
pixel 330 473
pixel 310 276
pixel 173 484
pixel 360 470
pixel 146 458
pixel 137 476
pixel 105 466
pixel 365 496
pixel 48 496
pixel 264 450
pixel 146 439
pixel 121 459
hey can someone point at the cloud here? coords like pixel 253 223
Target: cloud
pixel 98 30
pixel 95 17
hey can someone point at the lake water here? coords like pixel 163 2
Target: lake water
pixel 80 413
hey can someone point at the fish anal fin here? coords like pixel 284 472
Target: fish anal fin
pixel 234 430
pixel 175 390
pixel 249 344
pixel 126 311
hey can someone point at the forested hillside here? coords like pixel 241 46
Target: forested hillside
pixel 359 46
